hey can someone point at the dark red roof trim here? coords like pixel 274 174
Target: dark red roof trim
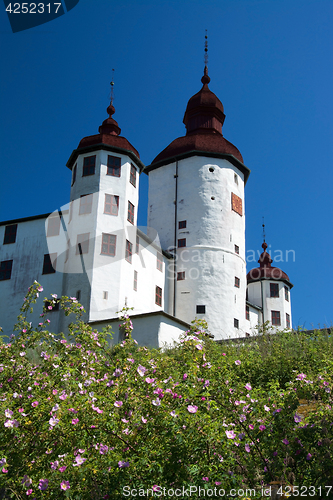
pixel 88 148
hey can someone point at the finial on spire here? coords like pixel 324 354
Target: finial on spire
pixel 264 245
pixel 110 109
pixel 205 78
pixel 112 92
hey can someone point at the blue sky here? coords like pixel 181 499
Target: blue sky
pixel 271 65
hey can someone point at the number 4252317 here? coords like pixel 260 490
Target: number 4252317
pixel 33 8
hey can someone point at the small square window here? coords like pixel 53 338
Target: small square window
pixel 159 262
pixel 181 276
pixel 6 270
pixel 130 213
pixel 288 320
pixel 133 175
pixel 111 204
pixel 82 243
pixel 128 251
pixel 135 282
pixel 137 245
pixel 182 243
pixel 10 234
pixel 158 296
pixel 276 320
pixel 49 264
pixel 74 174
pixel 113 167
pixel 286 293
pixel 237 249
pixel 50 307
pixel 201 309
pixel 236 323
pixel 88 166
pixel 85 204
pixel 274 289
pixel 237 282
pixel 109 244
pixel 182 224
pixel 53 226
pixel 247 312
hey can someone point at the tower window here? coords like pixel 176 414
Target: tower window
pixel 50 307
pixel 181 276
pixel 236 323
pixel 201 309
pixel 182 224
pixel 49 264
pixel 276 320
pixel 130 213
pixel 74 174
pixel 10 234
pixel 105 295
pixel 182 243
pixel 159 262
pixel 109 244
pixel 135 282
pixel 288 320
pixel 236 178
pixel 247 312
pixel 237 249
pixel 113 167
pixel 128 251
pixel 111 204
pixel 88 166
pixel 53 226
pixel 78 294
pixel 286 293
pixel 158 295
pixel 236 204
pixel 137 245
pixel 82 243
pixel 274 289
pixel 133 175
pixel 237 282
pixel 85 204
pixel 6 270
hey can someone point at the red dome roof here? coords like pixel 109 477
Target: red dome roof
pixel 108 136
pixel 203 119
pixel 266 271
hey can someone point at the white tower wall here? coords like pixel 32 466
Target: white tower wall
pixel 204 189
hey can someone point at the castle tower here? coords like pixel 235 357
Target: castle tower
pixel 269 288
pixel 102 221
pixel 196 204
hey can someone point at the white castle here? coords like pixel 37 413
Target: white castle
pixel 190 260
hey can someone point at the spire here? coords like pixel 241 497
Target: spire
pixel 110 126
pixel 205 79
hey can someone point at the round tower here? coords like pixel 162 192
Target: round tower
pixel 101 231
pixel 269 288
pixel 196 204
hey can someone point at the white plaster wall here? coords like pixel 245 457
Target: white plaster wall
pixel 213 228
pixel 276 304
pixel 254 321
pixel 27 254
pixel 149 330
pixel 254 293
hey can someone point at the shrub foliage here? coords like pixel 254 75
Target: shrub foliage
pixel 82 419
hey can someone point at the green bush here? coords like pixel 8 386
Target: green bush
pixel 82 420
